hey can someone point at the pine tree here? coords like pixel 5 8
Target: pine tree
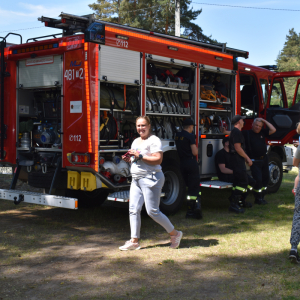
pixel 107 10
pixel 153 15
pixel 289 60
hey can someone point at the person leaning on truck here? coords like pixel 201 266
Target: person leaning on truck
pixel 238 157
pixel 256 149
pixel 187 151
pixel 148 179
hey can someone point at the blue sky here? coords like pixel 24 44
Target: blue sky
pixel 259 31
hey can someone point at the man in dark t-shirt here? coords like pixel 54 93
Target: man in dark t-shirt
pixel 222 162
pixel 187 150
pixel 256 149
pixel 238 157
pixel 224 167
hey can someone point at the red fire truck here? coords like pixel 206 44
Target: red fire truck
pixel 69 104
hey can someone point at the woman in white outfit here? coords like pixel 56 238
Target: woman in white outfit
pixel 148 179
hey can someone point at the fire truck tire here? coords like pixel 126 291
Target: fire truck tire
pixel 174 188
pixel 276 172
pixel 88 199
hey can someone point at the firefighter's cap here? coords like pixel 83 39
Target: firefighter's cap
pixel 236 118
pixel 188 122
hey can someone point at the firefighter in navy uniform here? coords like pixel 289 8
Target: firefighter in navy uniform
pixel 187 151
pixel 256 149
pixel 238 157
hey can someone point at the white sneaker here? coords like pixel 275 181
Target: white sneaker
pixel 175 240
pixel 129 245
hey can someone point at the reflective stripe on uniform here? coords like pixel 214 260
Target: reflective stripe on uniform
pixel 240 189
pixel 261 190
pixel 191 197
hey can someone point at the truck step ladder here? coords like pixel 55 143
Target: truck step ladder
pixel 216 184
pixel 122 196
pixel 38 198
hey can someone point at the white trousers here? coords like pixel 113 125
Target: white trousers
pixel 147 190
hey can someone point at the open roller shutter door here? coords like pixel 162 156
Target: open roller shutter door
pixel 119 65
pixel 40 71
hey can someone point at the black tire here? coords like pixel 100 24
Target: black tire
pixel 174 188
pixel 276 172
pixel 88 199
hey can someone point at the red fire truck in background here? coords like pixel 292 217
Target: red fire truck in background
pixel 69 104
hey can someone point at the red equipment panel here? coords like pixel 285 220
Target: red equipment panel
pixel 80 112
pixel 75 138
pixel 10 101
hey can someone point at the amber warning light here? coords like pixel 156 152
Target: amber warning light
pixel 35 48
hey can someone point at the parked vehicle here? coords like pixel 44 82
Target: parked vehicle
pixel 69 104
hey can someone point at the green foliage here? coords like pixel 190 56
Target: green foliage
pixel 153 15
pixel 289 60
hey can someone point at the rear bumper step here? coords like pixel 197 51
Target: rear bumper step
pixel 122 196
pixel 215 184
pixel 38 198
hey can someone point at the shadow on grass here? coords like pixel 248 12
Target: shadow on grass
pixel 187 243
pixel 113 220
pixel 60 254
pixel 65 275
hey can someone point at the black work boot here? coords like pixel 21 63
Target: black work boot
pixel 190 208
pixel 260 200
pixel 243 202
pixel 198 210
pixel 235 204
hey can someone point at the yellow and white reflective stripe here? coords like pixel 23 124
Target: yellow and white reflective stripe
pixel 191 197
pixel 241 189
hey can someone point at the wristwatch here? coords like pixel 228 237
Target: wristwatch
pixel 140 156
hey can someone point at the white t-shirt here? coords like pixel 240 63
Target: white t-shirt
pixel 139 168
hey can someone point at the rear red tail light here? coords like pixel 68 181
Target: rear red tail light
pixel 80 158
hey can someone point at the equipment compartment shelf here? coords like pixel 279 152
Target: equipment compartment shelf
pixel 113 150
pixel 208 101
pixel 214 109
pixel 166 88
pixel 215 101
pixel 116 109
pixel 163 114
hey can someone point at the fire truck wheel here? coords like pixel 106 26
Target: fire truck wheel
pixel 88 199
pixel 174 188
pixel 276 172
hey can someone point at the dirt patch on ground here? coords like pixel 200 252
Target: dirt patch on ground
pixel 53 253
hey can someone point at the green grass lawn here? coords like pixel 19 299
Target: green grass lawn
pixel 54 253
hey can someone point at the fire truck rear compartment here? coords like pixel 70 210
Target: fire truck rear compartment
pixel 39 140
pixel 39 123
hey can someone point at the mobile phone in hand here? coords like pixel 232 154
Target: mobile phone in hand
pixel 127 154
